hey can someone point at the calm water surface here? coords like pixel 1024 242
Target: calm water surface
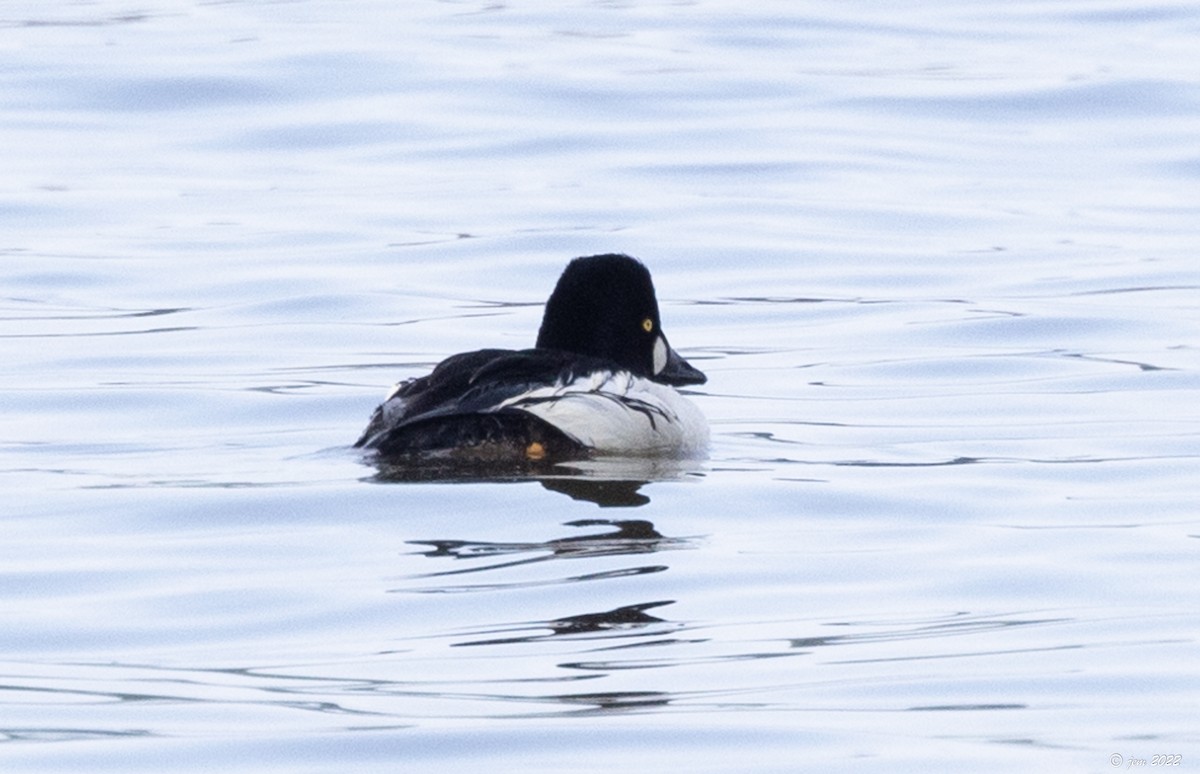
pixel 938 261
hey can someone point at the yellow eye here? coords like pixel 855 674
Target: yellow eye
pixel 647 325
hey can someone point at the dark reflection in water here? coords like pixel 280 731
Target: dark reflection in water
pixel 606 494
pixel 617 701
pixel 625 621
pixel 607 482
pixel 631 537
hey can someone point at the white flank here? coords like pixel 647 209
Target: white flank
pixel 619 413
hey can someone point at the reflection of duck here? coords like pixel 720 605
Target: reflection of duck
pixel 609 482
pixel 600 380
pixel 627 621
pixel 632 536
pixel 606 494
pixel 629 537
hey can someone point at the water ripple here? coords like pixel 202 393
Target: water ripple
pixel 632 537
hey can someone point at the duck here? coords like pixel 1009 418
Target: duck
pixel 600 380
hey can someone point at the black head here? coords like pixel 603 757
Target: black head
pixel 604 306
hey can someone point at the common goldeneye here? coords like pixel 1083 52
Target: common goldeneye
pixel 600 380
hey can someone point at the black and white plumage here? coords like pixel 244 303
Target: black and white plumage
pixel 599 381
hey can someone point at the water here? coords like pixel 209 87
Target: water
pixel 938 262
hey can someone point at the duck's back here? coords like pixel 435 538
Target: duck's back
pixel 462 409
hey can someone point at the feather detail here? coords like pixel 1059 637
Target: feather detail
pixel 617 412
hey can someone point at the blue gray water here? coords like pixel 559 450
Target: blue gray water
pixel 938 260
